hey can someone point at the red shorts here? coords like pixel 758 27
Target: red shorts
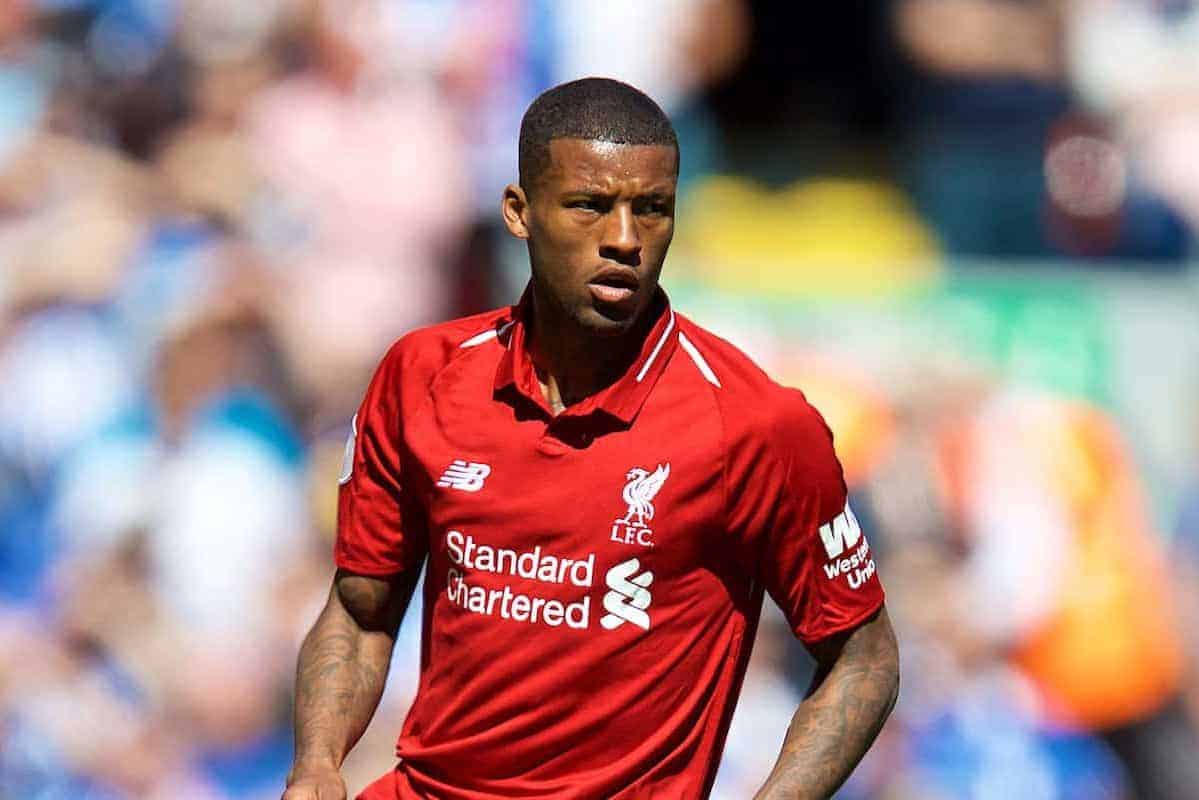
pixel 386 788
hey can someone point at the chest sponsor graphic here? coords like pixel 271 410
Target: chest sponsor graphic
pixel 848 551
pixel 626 600
pixel 628 596
pixel 639 492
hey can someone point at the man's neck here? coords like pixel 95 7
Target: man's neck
pixel 572 363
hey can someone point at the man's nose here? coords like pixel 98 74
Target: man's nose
pixel 621 241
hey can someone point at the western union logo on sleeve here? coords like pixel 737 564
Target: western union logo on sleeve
pixel 841 533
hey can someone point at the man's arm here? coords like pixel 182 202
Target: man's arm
pixel 855 688
pixel 340 676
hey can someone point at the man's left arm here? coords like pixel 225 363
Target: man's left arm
pixel 855 688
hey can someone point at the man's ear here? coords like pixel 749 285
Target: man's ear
pixel 514 208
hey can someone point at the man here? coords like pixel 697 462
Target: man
pixel 602 492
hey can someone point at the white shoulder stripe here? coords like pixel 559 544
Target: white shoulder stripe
pixel 704 369
pixel 661 341
pixel 478 339
pixel 485 336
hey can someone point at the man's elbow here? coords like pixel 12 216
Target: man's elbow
pixel 889 661
pixel 894 686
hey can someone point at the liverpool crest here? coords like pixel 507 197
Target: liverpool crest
pixel 639 492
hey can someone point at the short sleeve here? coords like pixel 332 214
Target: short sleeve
pixel 380 530
pixel 790 518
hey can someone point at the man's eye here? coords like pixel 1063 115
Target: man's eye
pixel 657 209
pixel 587 205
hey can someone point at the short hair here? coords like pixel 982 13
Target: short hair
pixel 599 109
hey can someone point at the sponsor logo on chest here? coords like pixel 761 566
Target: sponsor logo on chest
pixel 628 597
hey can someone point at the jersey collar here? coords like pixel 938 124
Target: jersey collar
pixel 624 398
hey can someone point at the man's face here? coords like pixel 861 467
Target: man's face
pixel 599 223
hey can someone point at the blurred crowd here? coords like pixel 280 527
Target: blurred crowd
pixel 215 216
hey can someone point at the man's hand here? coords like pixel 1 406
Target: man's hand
pixel 855 688
pixel 319 784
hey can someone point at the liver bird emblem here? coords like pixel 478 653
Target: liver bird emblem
pixel 640 490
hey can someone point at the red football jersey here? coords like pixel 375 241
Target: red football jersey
pixel 593 580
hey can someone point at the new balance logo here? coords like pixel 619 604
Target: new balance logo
pixel 465 475
pixel 840 533
pixel 628 597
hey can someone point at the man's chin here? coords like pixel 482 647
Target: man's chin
pixel 607 321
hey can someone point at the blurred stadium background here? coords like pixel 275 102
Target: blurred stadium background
pixel 967 228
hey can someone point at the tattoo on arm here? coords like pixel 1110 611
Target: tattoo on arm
pixel 343 665
pixel 853 693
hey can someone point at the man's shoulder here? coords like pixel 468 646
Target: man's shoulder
pixel 753 405
pixel 444 341
pixel 422 352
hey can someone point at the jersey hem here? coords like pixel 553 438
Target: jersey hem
pixel 850 624
pixel 369 570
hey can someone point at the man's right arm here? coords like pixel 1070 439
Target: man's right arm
pixel 340 676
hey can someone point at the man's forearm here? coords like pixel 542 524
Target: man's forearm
pixel 833 728
pixel 340 676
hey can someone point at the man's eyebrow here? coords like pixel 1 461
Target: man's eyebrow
pixel 655 194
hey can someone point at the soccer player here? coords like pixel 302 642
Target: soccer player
pixel 601 492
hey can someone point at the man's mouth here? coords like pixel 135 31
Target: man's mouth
pixel 613 285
